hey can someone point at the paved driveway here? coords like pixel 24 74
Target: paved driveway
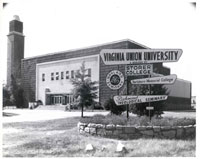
pixel 20 115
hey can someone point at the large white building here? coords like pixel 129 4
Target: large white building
pixel 53 79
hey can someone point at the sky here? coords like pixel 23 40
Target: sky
pixel 60 25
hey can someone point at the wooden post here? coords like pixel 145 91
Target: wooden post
pixel 81 110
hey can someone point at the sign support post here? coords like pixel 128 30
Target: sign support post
pixel 127 106
pixel 149 102
pixel 118 89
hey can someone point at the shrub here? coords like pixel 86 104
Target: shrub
pixel 115 119
pixel 94 119
pixel 17 93
pixel 109 119
pixel 172 121
pixel 114 109
pixel 138 121
pixel 140 108
pixel 6 96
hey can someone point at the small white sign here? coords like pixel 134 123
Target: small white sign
pixel 156 80
pixel 125 99
pixel 115 79
pixel 149 108
pixel 134 70
pixel 135 56
pixel 151 98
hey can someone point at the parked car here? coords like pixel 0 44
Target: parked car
pixel 98 106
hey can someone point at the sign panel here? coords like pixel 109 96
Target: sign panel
pixel 115 79
pixel 134 70
pixel 156 80
pixel 130 99
pixel 134 56
pixel 151 98
pixel 149 108
pixel 125 99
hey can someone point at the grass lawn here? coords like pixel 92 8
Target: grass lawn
pixel 60 138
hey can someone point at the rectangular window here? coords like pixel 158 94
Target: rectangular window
pixel 52 76
pixel 67 74
pixel 43 77
pixel 77 73
pixel 72 73
pixel 62 75
pixel 89 72
pixel 52 100
pixel 57 75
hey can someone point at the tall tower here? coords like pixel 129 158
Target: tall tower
pixel 15 50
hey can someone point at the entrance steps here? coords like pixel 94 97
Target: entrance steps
pixel 51 107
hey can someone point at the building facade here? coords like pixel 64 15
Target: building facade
pixel 48 77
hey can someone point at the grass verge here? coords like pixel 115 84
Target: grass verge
pixel 60 138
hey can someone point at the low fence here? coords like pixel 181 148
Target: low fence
pixel 135 132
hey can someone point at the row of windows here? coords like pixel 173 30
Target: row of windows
pixel 65 75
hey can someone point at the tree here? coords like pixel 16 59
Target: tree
pixel 85 91
pixel 6 96
pixel 114 109
pixel 17 92
pixel 140 108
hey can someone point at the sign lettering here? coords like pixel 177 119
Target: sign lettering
pixel 123 100
pixel 134 70
pixel 134 56
pixel 156 80
pixel 130 99
pixel 150 98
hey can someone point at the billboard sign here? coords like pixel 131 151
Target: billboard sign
pixel 115 79
pixel 135 56
pixel 151 98
pixel 142 69
pixel 125 99
pixel 156 80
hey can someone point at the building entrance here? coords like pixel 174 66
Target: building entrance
pixel 56 100
pixel 62 99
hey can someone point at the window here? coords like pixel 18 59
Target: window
pixel 62 75
pixel 67 74
pixel 57 75
pixel 52 76
pixel 89 72
pixel 43 77
pixel 77 73
pixel 72 73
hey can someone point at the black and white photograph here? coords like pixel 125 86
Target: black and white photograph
pixel 99 78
